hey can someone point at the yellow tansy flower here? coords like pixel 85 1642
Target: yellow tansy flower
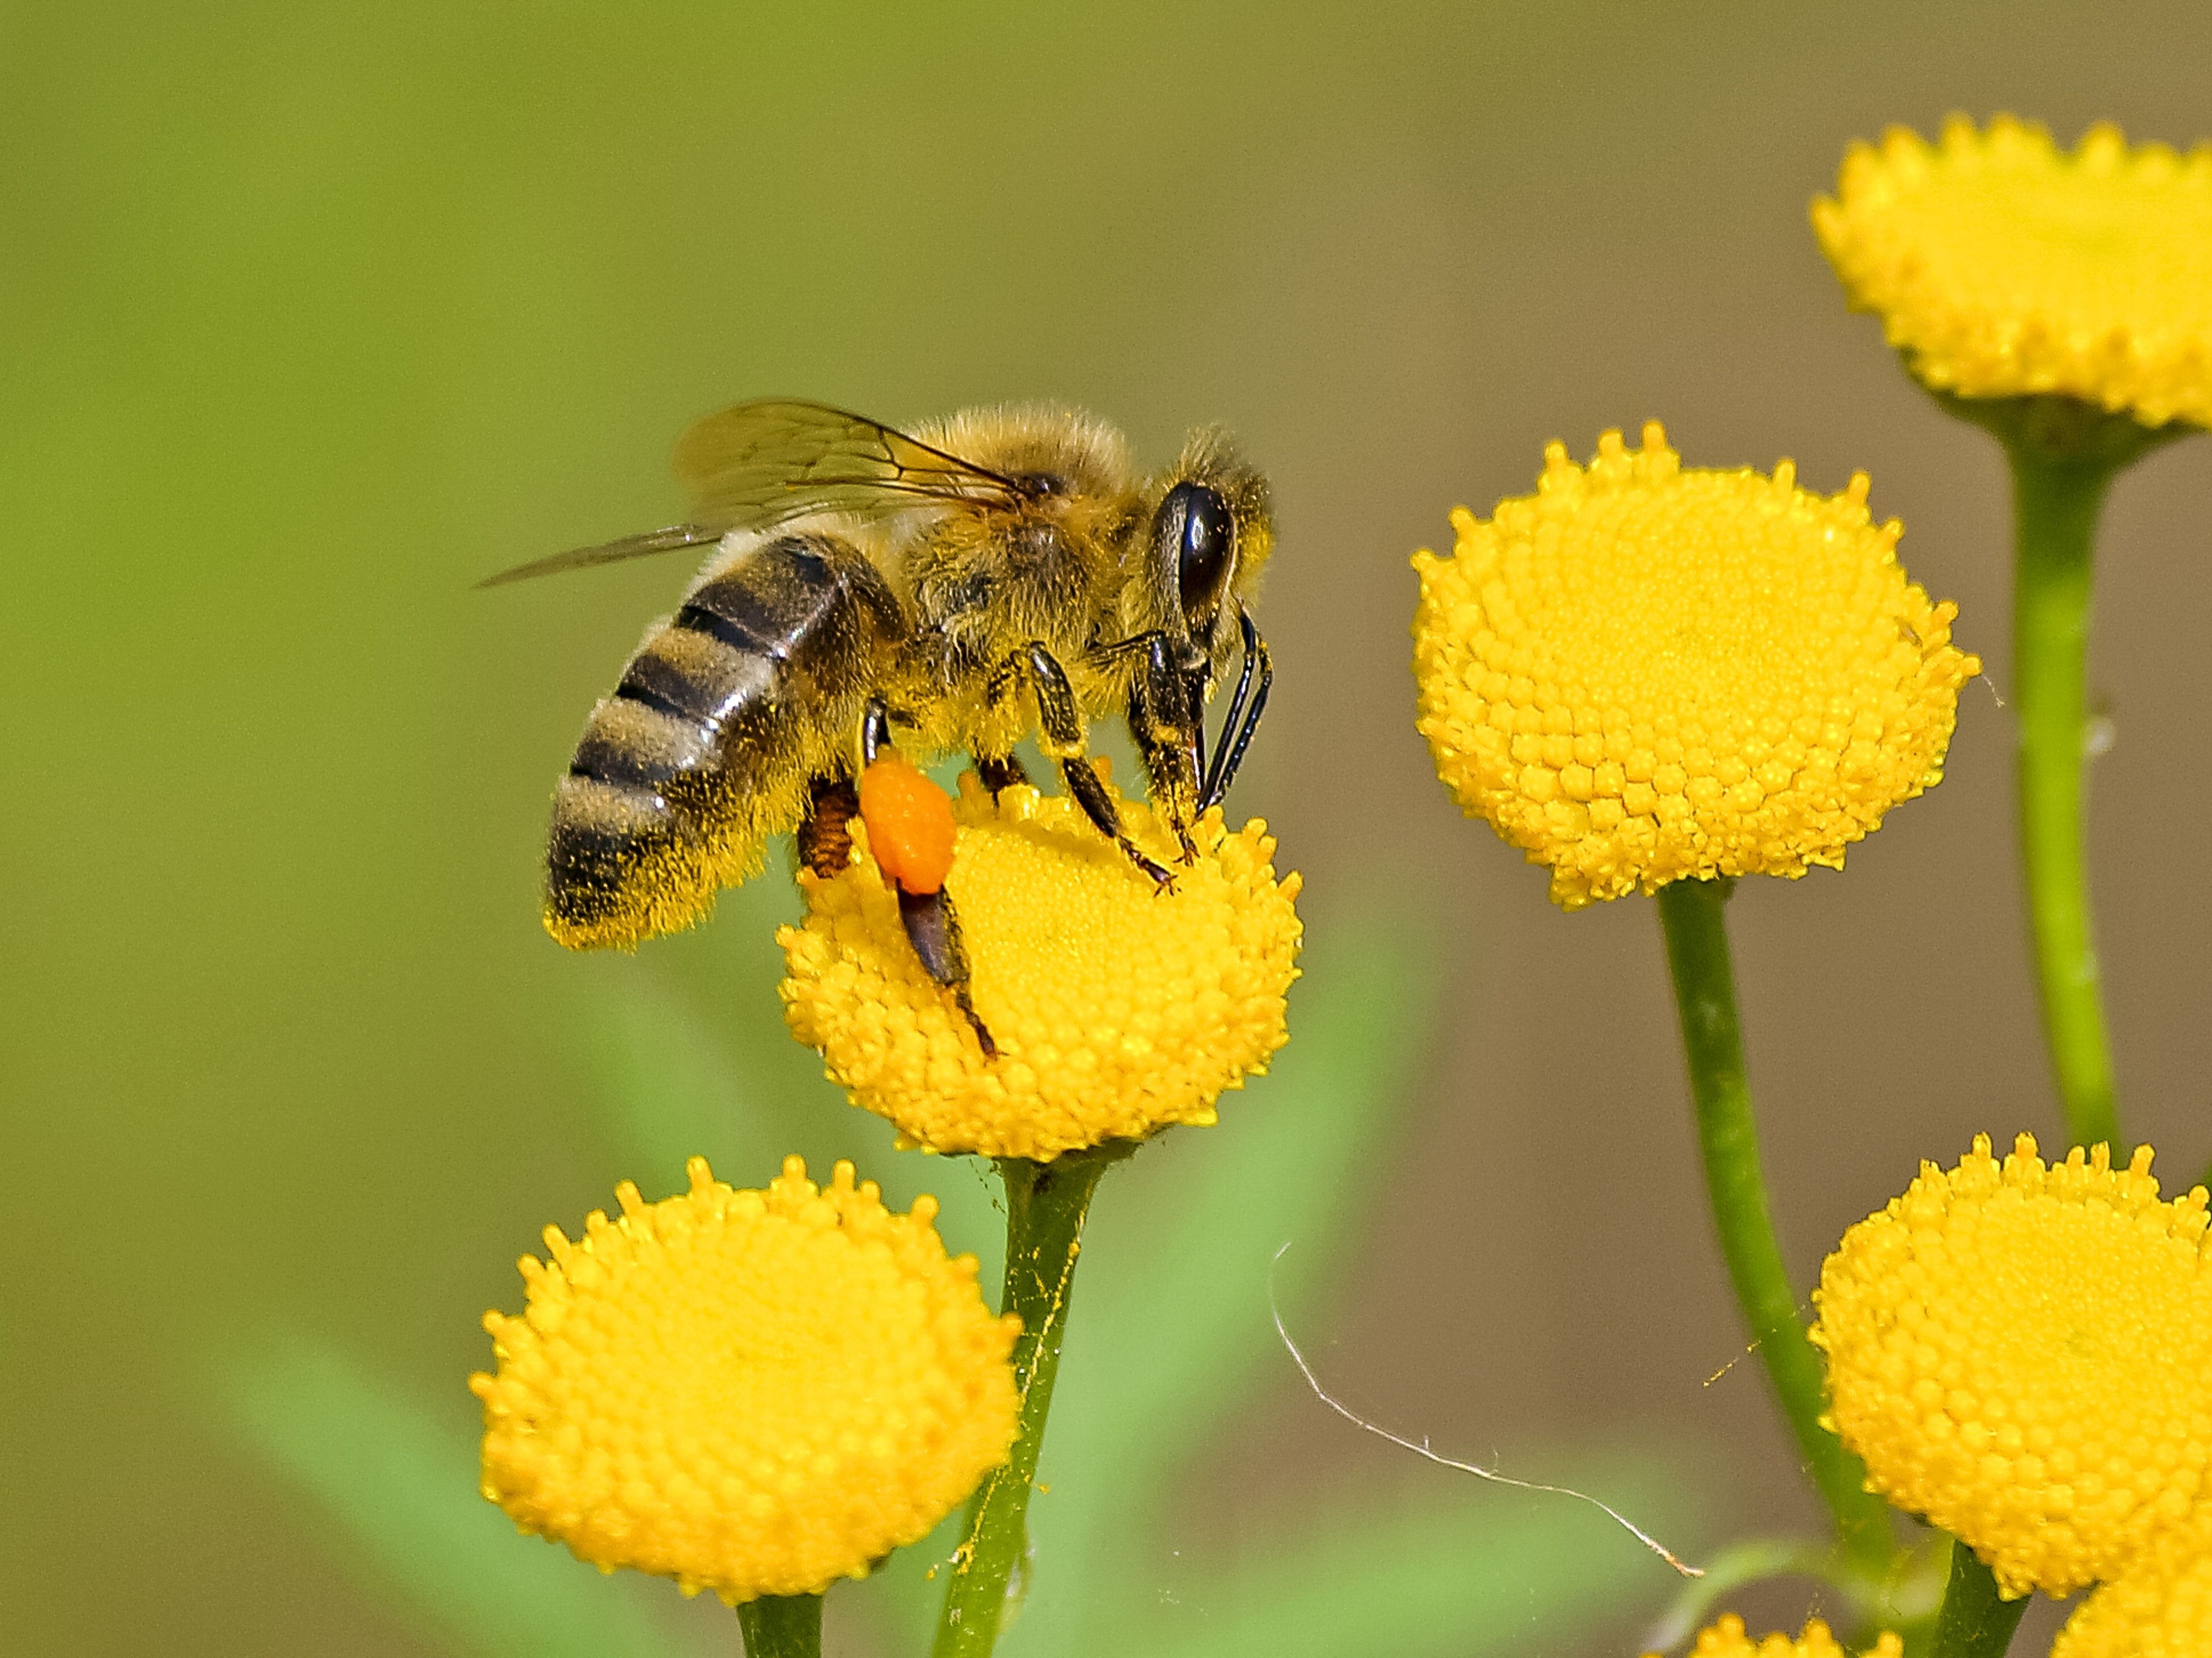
pixel 754 1392
pixel 1117 1008
pixel 1727 1639
pixel 2003 267
pixel 1641 673
pixel 2022 1353
pixel 2158 1607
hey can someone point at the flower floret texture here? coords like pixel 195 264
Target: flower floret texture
pixel 1642 673
pixel 2158 1607
pixel 752 1392
pixel 1726 1639
pixel 2021 1351
pixel 2002 266
pixel 1117 1008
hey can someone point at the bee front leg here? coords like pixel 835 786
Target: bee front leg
pixel 1245 709
pixel 1059 726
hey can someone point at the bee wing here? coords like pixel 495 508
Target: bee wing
pixel 608 552
pixel 775 458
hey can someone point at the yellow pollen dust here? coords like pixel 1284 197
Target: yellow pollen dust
pixel 2002 266
pixel 1117 1008
pixel 2160 1606
pixel 2022 1353
pixel 1642 673
pixel 1727 1639
pixel 754 1392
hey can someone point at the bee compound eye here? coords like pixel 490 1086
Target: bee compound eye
pixel 1204 534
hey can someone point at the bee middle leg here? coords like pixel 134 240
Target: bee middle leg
pixel 1059 727
pixel 1000 772
pixel 1165 721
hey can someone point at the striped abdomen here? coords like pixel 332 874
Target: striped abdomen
pixel 705 749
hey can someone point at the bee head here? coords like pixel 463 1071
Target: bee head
pixel 1211 533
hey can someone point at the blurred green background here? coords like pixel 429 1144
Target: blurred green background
pixel 311 316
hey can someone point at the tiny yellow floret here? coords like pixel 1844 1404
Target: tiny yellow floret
pixel 2022 1353
pixel 1117 1008
pixel 1642 673
pixel 1727 1639
pixel 754 1392
pixel 2158 1607
pixel 2002 266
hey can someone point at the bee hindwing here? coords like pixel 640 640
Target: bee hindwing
pixel 705 749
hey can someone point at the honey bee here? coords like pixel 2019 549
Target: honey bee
pixel 998 572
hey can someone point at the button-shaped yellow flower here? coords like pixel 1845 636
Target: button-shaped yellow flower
pixel 754 1392
pixel 2022 1353
pixel 1117 1008
pixel 1727 1639
pixel 1642 673
pixel 2003 267
pixel 2158 1607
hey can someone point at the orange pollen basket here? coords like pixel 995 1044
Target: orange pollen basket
pixel 909 823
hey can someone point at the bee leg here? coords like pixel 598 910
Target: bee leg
pixel 1059 723
pixel 934 928
pixel 1243 717
pixel 875 731
pixel 1164 706
pixel 825 835
pixel 1000 772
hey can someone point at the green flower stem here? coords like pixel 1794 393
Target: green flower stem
pixel 1046 1203
pixel 2055 501
pixel 1974 1622
pixel 1694 917
pixel 782 1626
pixel 2065 455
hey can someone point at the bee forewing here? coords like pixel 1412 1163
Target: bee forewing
pixel 762 463
pixel 609 552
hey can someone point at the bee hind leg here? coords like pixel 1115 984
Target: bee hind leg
pixel 934 928
pixel 933 925
pixel 824 841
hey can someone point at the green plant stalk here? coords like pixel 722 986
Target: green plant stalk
pixel 782 1626
pixel 1046 1203
pixel 1694 916
pixel 2056 501
pixel 1973 1621
pixel 2065 455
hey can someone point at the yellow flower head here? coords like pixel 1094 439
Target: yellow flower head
pixel 2003 267
pixel 2022 1352
pixel 754 1392
pixel 1727 1639
pixel 2158 1607
pixel 1641 673
pixel 1117 1008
